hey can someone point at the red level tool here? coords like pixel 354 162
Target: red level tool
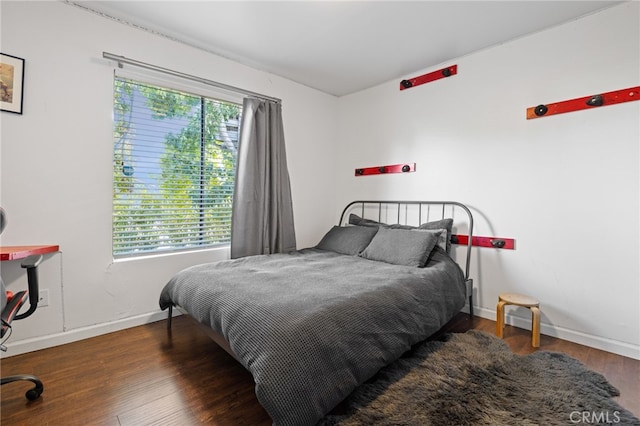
pixel 587 102
pixel 426 78
pixel 378 170
pixel 503 243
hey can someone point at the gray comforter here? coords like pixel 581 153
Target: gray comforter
pixel 312 325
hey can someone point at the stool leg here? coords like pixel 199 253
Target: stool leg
pixel 500 318
pixel 535 327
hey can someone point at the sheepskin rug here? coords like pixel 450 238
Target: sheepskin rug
pixel 473 378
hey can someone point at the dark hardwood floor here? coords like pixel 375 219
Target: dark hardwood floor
pixel 144 376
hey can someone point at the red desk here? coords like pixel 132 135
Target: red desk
pixel 20 252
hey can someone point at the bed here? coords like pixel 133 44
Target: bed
pixel 312 325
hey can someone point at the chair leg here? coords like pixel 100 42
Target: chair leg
pixel 500 318
pixel 33 393
pixel 535 327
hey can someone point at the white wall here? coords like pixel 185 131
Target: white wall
pixel 566 187
pixel 56 179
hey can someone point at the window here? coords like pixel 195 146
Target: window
pixel 174 158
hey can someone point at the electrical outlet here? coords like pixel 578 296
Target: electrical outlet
pixel 44 298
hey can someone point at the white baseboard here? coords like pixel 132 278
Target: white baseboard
pixel 609 345
pixel 18 347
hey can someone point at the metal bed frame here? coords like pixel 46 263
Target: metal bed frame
pixel 415 213
pixel 405 211
pixel 411 213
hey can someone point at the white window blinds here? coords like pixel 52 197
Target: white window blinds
pixel 174 164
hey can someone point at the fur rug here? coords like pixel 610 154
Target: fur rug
pixel 475 379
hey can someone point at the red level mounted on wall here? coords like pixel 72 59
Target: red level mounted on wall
pixel 379 170
pixel 587 102
pixel 426 78
pixel 494 242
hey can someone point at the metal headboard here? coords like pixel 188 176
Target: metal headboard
pixel 415 213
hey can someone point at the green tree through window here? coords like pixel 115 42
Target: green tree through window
pixel 174 163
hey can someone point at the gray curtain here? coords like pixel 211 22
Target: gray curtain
pixel 262 220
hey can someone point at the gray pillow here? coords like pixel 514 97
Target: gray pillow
pixel 401 246
pixel 441 224
pixel 447 224
pixel 347 239
pixel 354 219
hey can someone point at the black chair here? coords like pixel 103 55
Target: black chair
pixel 11 304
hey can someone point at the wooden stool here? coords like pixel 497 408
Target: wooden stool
pixel 519 300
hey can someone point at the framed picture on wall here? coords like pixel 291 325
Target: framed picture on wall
pixel 11 83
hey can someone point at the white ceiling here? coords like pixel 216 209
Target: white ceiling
pixel 341 47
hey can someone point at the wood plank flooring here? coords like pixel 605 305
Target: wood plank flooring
pixel 144 376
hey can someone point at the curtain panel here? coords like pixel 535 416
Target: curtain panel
pixel 262 218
